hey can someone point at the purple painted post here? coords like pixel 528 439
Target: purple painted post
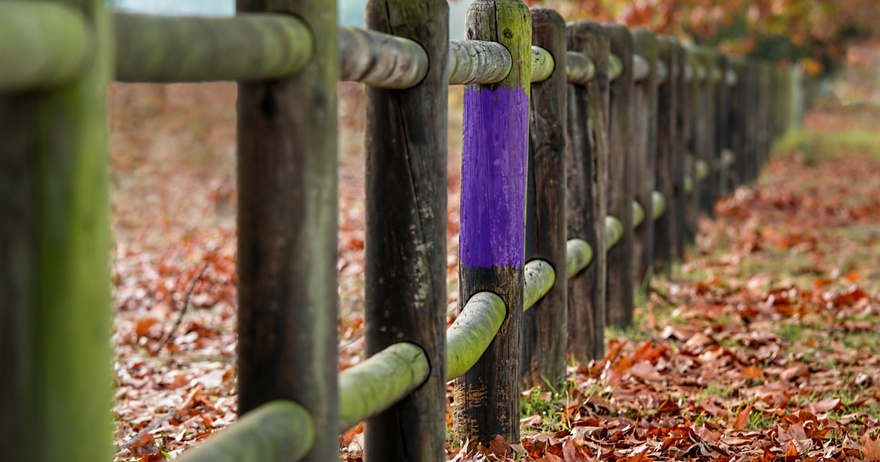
pixel 493 203
pixel 493 177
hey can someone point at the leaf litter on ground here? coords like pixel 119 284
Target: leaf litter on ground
pixel 762 346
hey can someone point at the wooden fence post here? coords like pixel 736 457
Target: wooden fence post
pixel 684 153
pixel 586 157
pixel 54 262
pixel 668 166
pixel 707 187
pixel 645 154
pixel 492 245
pixel 405 263
pixel 287 226
pixel 737 120
pixel 545 325
pixel 621 180
pixel 722 126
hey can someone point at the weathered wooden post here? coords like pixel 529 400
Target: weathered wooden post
pixel 621 180
pixel 668 166
pixel 645 155
pixel 55 247
pixel 707 187
pixel 722 125
pixel 586 157
pixel 287 226
pixel 545 325
pixel 492 244
pixel 737 119
pixel 697 140
pixel 405 263
pixel 684 152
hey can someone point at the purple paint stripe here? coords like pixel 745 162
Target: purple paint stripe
pixel 493 177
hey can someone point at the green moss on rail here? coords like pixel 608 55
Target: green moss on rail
pixel 472 332
pixel 539 278
pixel 613 231
pixel 276 431
pixel 638 214
pixel 658 204
pixel 382 380
pixel 42 44
pixel 579 253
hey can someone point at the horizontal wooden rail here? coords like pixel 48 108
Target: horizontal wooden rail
pixel 638 214
pixel 477 61
pixel 248 47
pixel 381 381
pixel 641 68
pixel 701 169
pixel 658 205
pixel 580 254
pixel 689 72
pixel 380 60
pixel 662 72
pixel 42 45
pixel 472 332
pixel 579 68
pixel 278 431
pixel 731 78
pixel 613 231
pixel 542 64
pixel 615 67
pixel 539 277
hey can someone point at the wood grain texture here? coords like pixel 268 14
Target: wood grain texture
pixel 405 263
pixel 491 251
pixel 379 59
pixel 545 325
pixel 287 226
pixel 587 152
pixel 621 181
pixel 55 306
pixel 645 153
pixel 667 108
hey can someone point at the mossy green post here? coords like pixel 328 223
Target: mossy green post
pixel 55 264
pixel 287 224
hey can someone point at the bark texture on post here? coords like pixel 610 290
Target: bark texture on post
pixel 545 325
pixel 405 263
pixel 493 199
pixel 586 158
pixel 621 181
pixel 645 153
pixel 287 226
pixel 667 136
pixel 54 263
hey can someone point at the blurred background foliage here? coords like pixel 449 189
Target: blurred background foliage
pixel 816 33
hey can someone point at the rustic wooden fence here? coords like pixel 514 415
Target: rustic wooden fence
pixel 589 152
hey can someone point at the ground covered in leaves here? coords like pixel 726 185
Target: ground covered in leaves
pixel 763 345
